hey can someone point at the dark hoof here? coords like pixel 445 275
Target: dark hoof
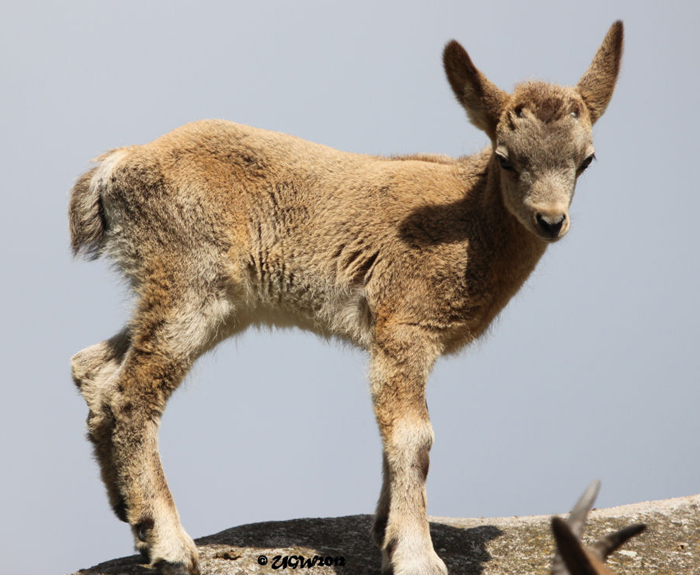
pixel 145 553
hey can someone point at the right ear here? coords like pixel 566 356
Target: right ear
pixel 482 100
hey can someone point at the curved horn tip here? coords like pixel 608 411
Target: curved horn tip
pixel 606 546
pixel 579 514
pixel 588 498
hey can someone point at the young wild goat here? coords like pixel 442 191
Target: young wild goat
pixel 219 226
pixel 571 557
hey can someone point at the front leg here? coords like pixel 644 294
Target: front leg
pixel 401 361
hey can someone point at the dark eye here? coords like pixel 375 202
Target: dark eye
pixel 585 163
pixel 505 163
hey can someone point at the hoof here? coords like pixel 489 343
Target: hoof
pixel 175 554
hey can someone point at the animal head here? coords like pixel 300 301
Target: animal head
pixel 541 133
pixel 571 557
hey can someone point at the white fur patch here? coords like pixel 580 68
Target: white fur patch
pixel 108 163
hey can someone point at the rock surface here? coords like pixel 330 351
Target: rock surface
pixel 516 545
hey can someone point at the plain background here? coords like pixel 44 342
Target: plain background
pixel 591 371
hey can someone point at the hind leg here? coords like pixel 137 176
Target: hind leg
pixel 93 371
pixel 172 327
pixel 145 381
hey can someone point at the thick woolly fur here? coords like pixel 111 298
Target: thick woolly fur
pixel 219 226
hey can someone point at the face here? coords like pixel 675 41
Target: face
pixel 543 144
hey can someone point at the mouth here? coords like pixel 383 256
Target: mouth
pixel 551 235
pixel 548 237
pixel 551 240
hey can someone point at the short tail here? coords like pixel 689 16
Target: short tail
pixel 86 217
pixel 86 214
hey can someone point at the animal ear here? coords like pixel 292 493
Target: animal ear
pixel 597 84
pixel 482 100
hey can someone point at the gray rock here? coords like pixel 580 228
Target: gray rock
pixel 515 545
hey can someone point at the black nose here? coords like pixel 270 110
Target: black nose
pixel 551 224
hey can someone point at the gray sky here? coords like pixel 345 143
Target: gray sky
pixel 593 370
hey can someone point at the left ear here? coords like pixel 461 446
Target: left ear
pixel 597 84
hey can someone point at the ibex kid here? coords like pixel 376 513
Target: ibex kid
pixel 219 226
